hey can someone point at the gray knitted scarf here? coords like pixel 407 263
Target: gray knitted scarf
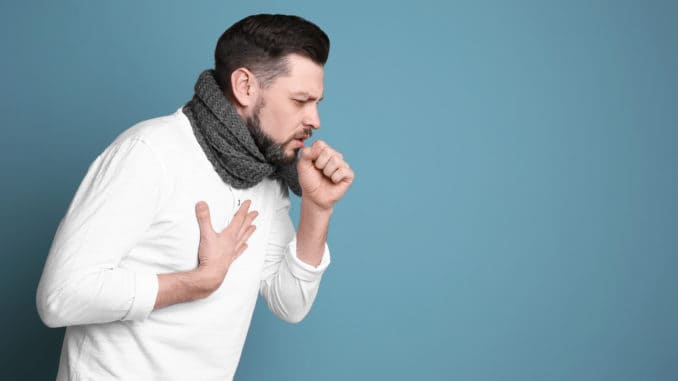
pixel 228 143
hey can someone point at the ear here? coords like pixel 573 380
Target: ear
pixel 244 86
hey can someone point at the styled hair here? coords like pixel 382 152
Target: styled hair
pixel 261 44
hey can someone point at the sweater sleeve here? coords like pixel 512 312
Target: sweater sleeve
pixel 82 282
pixel 288 284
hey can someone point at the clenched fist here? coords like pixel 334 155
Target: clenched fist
pixel 324 176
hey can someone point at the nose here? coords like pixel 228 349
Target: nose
pixel 312 117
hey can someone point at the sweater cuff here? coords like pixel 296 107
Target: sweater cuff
pixel 145 294
pixel 302 270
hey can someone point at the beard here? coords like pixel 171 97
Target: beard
pixel 272 151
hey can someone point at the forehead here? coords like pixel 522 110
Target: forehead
pixel 304 76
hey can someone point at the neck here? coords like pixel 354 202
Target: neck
pixel 220 128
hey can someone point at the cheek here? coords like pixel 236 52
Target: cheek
pixel 285 122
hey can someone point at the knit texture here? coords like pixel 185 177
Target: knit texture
pixel 228 143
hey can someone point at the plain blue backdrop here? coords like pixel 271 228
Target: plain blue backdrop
pixel 514 214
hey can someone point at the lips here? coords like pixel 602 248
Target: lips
pixel 300 138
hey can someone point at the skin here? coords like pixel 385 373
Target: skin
pixel 290 110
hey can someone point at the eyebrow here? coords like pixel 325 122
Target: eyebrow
pixel 307 95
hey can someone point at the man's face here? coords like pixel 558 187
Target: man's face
pixel 287 111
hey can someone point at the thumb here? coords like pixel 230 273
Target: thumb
pixel 202 213
pixel 307 154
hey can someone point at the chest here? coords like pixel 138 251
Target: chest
pixel 171 242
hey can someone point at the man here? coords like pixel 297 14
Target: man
pixel 149 291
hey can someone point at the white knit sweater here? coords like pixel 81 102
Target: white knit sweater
pixel 133 217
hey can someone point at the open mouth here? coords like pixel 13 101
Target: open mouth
pixel 298 140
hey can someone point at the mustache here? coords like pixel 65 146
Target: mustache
pixel 307 133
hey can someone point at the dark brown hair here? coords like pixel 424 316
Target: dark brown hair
pixel 261 42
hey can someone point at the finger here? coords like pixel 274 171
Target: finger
pixel 323 158
pixel 248 222
pixel 307 154
pixel 248 232
pixel 337 175
pixel 239 250
pixel 239 217
pixel 246 236
pixel 332 165
pixel 343 174
pixel 311 153
pixel 318 146
pixel 202 213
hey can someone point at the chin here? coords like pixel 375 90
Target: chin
pixel 292 151
pixel 291 157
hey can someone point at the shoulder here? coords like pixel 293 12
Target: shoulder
pixel 141 155
pixel 162 133
pixel 147 146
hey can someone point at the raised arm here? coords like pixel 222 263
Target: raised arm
pixel 294 264
pixel 324 177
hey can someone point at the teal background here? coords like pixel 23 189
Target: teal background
pixel 514 214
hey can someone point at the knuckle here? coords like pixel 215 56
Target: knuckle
pixel 337 160
pixel 322 152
